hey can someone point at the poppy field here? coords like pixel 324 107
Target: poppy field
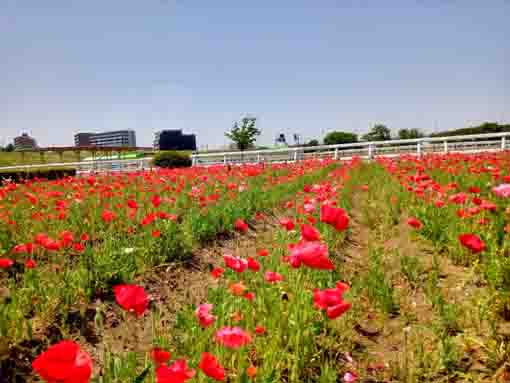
pixel 395 270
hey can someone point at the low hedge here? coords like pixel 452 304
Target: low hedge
pixel 43 173
pixel 172 159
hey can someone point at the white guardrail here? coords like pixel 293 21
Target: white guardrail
pixel 367 150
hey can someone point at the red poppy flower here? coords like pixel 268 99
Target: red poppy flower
pixel 249 295
pixel 64 362
pixel 177 372
pixel 251 371
pixel 156 200
pixel 341 222
pixel 27 248
pixel 132 204
pixel 331 300
pixel 131 298
pixel 273 277
pixel 310 233
pixel 160 356
pixel 472 242
pixel 335 217
pixel 78 247
pixel 5 263
pixel 263 252
pixel 311 219
pixel 414 222
pixel 148 219
pixel 156 233
pixel 237 289
pixel 232 337
pixel 84 237
pixel 204 316
pixel 30 264
pixel 287 223
pixel 108 216
pixel 210 366
pixel 217 272
pixel 235 263
pixel 328 213
pixel 66 238
pixel 240 225
pixel 253 264
pixel 312 254
pixel 459 198
pixel 260 330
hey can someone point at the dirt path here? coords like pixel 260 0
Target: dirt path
pixel 433 332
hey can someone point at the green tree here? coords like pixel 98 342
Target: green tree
pixel 406 134
pixel 334 138
pixel 9 148
pixel 245 134
pixel 313 142
pixel 379 132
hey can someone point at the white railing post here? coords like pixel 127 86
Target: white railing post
pixel 370 151
pixel 224 159
pixel 295 155
pixel 336 154
pixel 503 143
pixel 445 146
pixel 418 148
pixel 258 158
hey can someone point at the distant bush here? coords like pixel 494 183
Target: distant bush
pixel 334 138
pixel 42 173
pixel 171 159
pixel 486 127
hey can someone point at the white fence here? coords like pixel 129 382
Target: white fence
pixel 367 150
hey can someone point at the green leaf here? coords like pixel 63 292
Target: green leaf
pixel 244 378
pixel 142 376
pixel 271 377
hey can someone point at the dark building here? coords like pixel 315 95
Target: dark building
pixel 115 138
pixel 174 140
pixel 83 139
pixel 24 142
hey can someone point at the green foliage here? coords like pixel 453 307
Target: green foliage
pixel 9 148
pixel 42 173
pixel 379 132
pixel 172 159
pixel 406 134
pixel 486 127
pixel 333 138
pixel 378 289
pixel 412 269
pixel 313 142
pixel 245 134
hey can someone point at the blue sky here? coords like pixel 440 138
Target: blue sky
pixel 300 66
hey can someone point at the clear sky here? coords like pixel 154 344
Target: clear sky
pixel 300 66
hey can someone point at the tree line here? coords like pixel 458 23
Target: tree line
pixel 244 134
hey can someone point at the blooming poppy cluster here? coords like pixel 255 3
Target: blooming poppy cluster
pixel 479 206
pixel 311 220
